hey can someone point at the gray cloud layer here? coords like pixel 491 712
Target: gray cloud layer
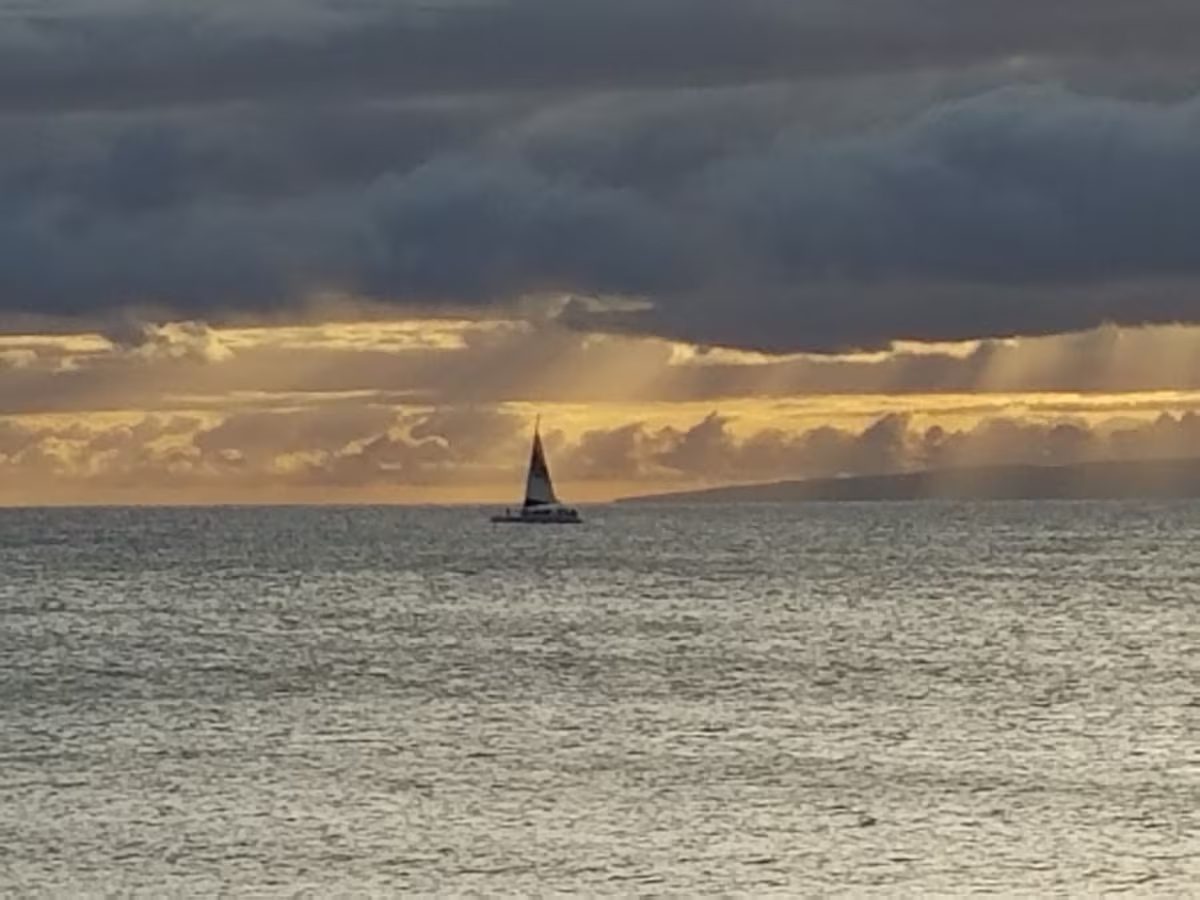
pixel 219 158
pixel 76 54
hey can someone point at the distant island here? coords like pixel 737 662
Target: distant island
pixel 1142 479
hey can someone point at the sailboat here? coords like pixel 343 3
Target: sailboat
pixel 541 506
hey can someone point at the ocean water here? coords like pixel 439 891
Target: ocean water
pixel 891 699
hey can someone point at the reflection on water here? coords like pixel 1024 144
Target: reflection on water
pixel 913 698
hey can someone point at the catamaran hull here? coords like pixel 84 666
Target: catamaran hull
pixel 504 520
pixel 518 519
pixel 555 515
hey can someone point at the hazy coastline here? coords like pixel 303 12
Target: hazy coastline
pixel 1125 480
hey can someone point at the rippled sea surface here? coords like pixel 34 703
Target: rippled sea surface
pixel 907 699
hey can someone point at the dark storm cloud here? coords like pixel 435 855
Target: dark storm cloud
pixel 460 154
pixel 1017 211
pixel 89 55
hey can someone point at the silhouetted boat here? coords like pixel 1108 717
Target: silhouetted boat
pixel 541 506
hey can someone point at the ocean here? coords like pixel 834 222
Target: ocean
pixel 915 699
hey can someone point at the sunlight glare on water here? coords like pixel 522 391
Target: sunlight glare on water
pixel 914 698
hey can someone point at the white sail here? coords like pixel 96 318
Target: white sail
pixel 539 490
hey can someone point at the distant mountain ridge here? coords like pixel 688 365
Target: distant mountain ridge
pixel 1141 479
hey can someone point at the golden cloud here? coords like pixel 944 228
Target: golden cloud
pixel 440 409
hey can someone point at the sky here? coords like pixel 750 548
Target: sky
pixel 348 250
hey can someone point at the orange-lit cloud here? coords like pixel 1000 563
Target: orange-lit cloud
pixel 431 410
pixel 504 361
pixel 363 452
